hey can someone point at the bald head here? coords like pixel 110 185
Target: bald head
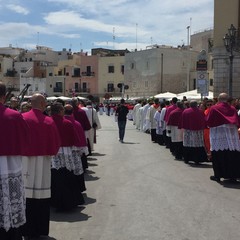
pixel 38 101
pixel 223 97
pixel 68 109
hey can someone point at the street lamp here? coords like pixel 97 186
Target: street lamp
pixel 231 44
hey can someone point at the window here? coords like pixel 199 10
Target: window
pixel 89 70
pixel 76 72
pixel 134 84
pixel 211 82
pixel 122 69
pixel 59 85
pixel 146 84
pixel 110 87
pixel 132 66
pixel 111 69
pixel 76 86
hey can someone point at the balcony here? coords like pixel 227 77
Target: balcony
pixel 57 90
pixel 89 74
pixel 80 90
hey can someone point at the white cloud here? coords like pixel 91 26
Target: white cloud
pixel 141 22
pixel 18 9
pixel 75 20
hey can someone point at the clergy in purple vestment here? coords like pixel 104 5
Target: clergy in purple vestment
pixel 37 167
pixel 222 120
pixel 14 141
pixel 193 124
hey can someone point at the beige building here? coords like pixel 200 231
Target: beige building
pixel 160 69
pixel 225 14
pixel 111 73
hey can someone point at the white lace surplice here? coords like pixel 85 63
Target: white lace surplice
pixel 224 137
pixel 12 199
pixel 193 138
pixel 68 157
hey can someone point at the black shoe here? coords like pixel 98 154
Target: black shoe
pixel 213 178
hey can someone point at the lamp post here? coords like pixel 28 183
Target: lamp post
pixel 231 44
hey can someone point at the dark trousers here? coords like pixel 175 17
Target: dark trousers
pixel 38 217
pixel 11 234
pixel 121 128
pixel 153 135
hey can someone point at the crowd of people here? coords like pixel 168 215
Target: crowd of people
pixel 43 158
pixel 195 132
pixel 44 149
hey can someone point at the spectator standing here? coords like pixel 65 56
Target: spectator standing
pixel 121 113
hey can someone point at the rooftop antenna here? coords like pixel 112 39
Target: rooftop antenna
pixel 113 37
pixel 190 29
pixel 136 35
pixel 37 38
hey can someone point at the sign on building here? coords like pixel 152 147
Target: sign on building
pixel 202 75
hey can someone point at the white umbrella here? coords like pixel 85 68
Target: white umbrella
pixel 81 98
pixel 194 95
pixel 166 95
pixel 53 98
pixel 65 98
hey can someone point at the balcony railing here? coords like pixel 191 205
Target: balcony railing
pixel 89 74
pixel 79 90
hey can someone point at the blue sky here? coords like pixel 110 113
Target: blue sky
pixel 114 24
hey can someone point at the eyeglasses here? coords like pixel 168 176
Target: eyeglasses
pixel 208 105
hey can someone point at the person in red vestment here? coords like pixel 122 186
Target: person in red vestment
pixel 224 140
pixel 171 108
pixel 13 144
pixel 80 115
pixel 80 150
pixel 37 168
pixel 193 124
pixel 63 164
pixel 176 132
pixel 207 131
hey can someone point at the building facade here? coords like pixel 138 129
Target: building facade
pixel 225 14
pixel 160 69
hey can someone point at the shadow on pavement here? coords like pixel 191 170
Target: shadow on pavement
pixel 130 143
pixel 230 184
pixel 88 200
pixel 92 164
pixel 89 177
pixel 91 159
pixel 98 154
pixel 74 215
pixel 200 165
